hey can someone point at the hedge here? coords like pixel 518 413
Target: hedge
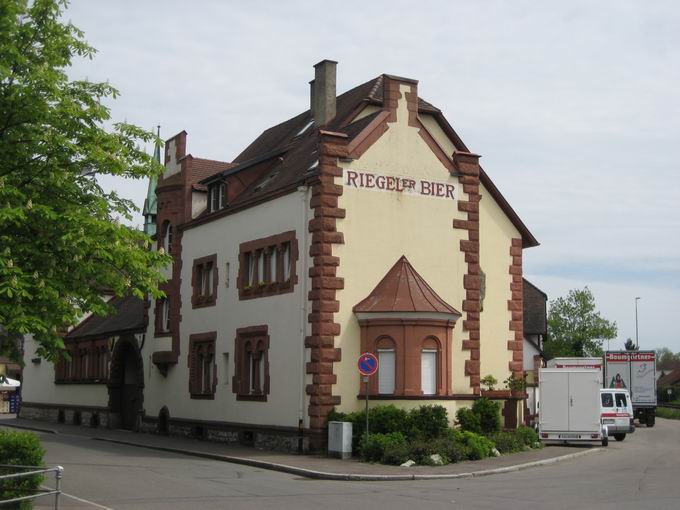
pixel 20 449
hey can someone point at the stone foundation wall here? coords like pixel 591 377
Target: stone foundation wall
pixel 84 416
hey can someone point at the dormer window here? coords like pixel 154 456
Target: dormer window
pixel 217 196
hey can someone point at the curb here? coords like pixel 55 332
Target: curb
pixel 28 427
pixel 322 475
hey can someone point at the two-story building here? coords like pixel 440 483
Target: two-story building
pixel 363 224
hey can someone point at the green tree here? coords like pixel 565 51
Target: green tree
pixel 665 357
pixel 60 246
pixel 630 345
pixel 575 327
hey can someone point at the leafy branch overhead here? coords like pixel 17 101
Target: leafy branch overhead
pixel 60 245
pixel 575 327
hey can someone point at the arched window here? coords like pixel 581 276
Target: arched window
pixel 428 366
pixel 386 366
pixel 166 242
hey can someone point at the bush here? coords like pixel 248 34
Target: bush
pixel 527 435
pixel 489 415
pixel 669 413
pixel 475 446
pixel 373 449
pixel 507 442
pixel 396 454
pixel 450 450
pixel 21 449
pixel 468 420
pixel 428 422
pixel 386 419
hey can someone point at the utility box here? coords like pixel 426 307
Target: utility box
pixel 340 439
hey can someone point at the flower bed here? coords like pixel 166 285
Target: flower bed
pixel 422 436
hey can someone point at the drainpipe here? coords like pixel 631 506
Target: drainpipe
pixel 304 266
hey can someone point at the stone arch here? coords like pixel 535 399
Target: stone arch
pixel 126 384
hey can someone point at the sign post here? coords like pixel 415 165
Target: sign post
pixel 368 365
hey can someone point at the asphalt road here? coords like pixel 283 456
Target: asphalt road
pixel 640 473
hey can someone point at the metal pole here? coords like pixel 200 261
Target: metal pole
pixel 366 381
pixel 59 474
pixel 637 342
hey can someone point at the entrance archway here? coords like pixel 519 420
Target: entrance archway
pixel 126 383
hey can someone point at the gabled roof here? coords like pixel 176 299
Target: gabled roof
pixel 670 378
pixel 403 290
pixel 285 154
pixel 128 317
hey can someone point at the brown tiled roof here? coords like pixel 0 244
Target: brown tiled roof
pixel 128 317
pixel 670 378
pixel 535 318
pixel 402 289
pixel 203 168
pixel 290 149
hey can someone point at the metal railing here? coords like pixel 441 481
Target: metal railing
pixel 39 493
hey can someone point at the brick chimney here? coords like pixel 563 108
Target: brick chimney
pixel 323 92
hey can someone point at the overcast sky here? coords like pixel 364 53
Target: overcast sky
pixel 574 107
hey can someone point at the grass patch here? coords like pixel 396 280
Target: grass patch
pixel 666 412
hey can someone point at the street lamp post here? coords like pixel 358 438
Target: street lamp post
pixel 637 342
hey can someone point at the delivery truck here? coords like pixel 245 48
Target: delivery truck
pixel 569 410
pixel 635 371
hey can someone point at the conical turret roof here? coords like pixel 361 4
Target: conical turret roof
pixel 403 290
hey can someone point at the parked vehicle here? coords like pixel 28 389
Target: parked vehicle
pixel 636 372
pixel 569 410
pixel 616 412
pixel 564 362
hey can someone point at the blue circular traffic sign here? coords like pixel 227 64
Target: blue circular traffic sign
pixel 368 364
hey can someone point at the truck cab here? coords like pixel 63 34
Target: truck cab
pixel 616 412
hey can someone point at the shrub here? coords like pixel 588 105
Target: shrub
pixel 450 450
pixel 21 449
pixel 428 422
pixel 489 381
pixel 476 446
pixel 396 454
pixel 468 420
pixel 507 442
pixel 373 449
pixel 420 451
pixel 489 415
pixel 386 419
pixel 527 435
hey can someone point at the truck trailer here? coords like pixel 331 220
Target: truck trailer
pixel 635 371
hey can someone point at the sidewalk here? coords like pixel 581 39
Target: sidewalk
pixel 310 466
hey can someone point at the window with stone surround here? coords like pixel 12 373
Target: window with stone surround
pixel 251 359
pixel 202 366
pixel 84 361
pixel 204 281
pixel 267 266
pixel 162 317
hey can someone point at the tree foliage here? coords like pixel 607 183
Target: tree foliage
pixel 665 358
pixel 575 327
pixel 630 345
pixel 60 246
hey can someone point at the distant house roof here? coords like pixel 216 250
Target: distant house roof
pixel 670 378
pixel 285 155
pixel 535 315
pixel 129 316
pixel 402 289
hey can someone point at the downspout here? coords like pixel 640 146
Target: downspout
pixel 303 253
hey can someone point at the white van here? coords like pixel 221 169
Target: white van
pixel 617 412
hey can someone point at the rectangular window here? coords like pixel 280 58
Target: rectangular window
pixel 267 266
pixel 163 316
pixel 428 372
pixel 386 371
pixel 217 196
pixel 204 281
pixel 202 370
pixel 251 359
pixel 84 363
pixel 621 400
